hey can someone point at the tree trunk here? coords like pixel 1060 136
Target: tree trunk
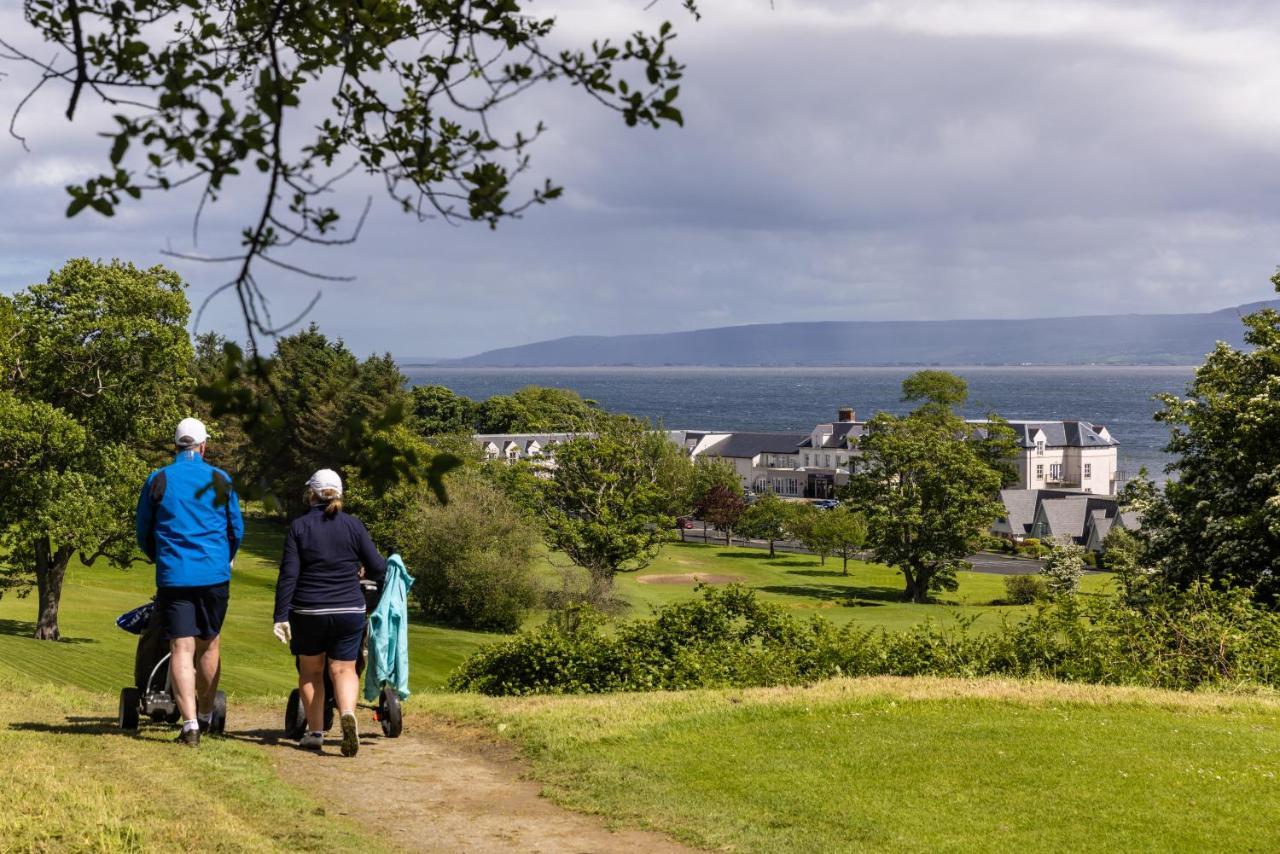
pixel 771 548
pixel 600 587
pixel 917 586
pixel 844 570
pixel 728 537
pixel 51 569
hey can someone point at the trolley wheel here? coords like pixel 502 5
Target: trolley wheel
pixel 128 718
pixel 295 717
pixel 329 710
pixel 218 723
pixel 389 712
pixel 175 716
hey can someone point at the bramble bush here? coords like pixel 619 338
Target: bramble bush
pixel 728 638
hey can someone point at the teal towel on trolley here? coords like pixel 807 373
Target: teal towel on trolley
pixel 389 634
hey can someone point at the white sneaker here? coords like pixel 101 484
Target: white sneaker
pixel 311 741
pixel 350 735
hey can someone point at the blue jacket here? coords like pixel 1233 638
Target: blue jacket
pixel 320 570
pixel 389 634
pixel 185 527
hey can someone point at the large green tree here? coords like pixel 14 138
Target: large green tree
pixel 96 367
pixel 607 502
pixel 439 410
pixel 1218 519
pixel 537 409
pixel 925 492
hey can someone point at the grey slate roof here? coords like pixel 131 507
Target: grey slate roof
pixel 1061 434
pixel 1019 509
pixel 842 433
pixel 748 445
pixel 1065 516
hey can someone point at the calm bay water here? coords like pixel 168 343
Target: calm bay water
pixel 798 398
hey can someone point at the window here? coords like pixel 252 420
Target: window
pixel 1040 448
pixel 1055 471
pixel 1088 470
pixel 826 460
pixel 806 459
pixel 1040 472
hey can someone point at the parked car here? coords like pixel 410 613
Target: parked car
pixel 826 504
pixel 684 522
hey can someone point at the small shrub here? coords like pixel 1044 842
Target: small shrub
pixel 1091 559
pixel 1031 542
pixel 1023 589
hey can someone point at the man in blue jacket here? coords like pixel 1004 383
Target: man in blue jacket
pixel 189 526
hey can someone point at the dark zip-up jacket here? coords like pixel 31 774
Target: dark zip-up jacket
pixel 320 570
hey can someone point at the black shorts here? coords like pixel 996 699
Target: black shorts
pixel 193 612
pixel 336 635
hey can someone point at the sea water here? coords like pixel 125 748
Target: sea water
pixel 766 399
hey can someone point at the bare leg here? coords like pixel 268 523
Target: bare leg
pixel 182 674
pixel 208 671
pixel 346 685
pixel 311 686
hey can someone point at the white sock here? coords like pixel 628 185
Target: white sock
pixel 190 725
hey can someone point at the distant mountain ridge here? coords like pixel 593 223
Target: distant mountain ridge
pixel 1139 339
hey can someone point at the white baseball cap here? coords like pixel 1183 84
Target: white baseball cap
pixel 325 479
pixel 190 433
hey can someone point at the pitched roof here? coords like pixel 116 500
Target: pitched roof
pixel 1065 516
pixel 1061 434
pixel 1019 509
pixel 748 445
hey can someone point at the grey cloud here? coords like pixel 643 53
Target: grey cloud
pixel 828 171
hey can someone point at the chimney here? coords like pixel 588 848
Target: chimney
pixel 845 414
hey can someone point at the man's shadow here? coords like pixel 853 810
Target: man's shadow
pixel 72 725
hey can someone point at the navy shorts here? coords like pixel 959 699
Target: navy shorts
pixel 193 612
pixel 336 635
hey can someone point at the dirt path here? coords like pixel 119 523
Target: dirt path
pixel 435 790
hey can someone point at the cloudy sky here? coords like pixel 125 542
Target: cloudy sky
pixel 840 160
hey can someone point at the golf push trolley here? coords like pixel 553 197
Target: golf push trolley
pixel 386 713
pixel 151 695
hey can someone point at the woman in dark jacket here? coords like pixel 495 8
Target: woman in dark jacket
pixel 320 608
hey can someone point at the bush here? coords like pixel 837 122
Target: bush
pixel 1091 559
pixel 1024 589
pixel 473 558
pixel 727 638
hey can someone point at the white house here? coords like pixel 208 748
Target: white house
pixel 1076 455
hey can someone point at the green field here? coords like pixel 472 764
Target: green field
pixel 911 765
pixel 852 765
pixel 98 656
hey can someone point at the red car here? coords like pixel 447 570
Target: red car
pixel 684 522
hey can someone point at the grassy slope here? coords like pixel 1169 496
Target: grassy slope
pixel 68 786
pixel 912 765
pixel 99 657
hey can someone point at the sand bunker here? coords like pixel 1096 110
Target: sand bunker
pixel 689 578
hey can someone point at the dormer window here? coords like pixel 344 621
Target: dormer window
pixel 1040 447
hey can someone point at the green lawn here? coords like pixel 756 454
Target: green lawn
pixel 98 656
pixel 71 783
pixel 843 766
pixel 869 595
pixel 911 765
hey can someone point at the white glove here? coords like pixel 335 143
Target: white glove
pixel 283 632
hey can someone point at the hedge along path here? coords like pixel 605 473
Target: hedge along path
pixel 438 789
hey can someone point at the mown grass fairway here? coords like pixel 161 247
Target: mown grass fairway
pixel 868 596
pixel 844 766
pixel 912 765
pixel 99 657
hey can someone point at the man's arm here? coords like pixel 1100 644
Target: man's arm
pixel 235 522
pixel 145 520
pixel 288 580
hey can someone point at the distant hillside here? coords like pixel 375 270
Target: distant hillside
pixel 1143 339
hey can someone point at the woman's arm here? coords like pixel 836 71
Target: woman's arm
pixel 288 580
pixel 375 565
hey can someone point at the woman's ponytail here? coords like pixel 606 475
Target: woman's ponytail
pixel 330 499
